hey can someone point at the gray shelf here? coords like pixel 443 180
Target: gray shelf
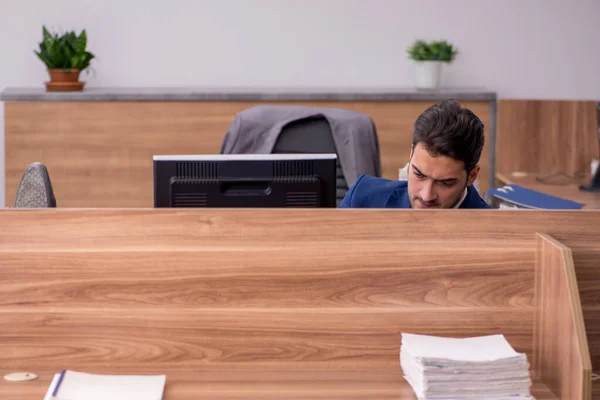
pixel 29 94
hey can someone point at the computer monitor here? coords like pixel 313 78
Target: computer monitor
pixel 245 180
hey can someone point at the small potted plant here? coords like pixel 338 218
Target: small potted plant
pixel 66 57
pixel 428 58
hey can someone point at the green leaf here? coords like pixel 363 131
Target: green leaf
pixel 45 59
pixel 71 42
pixel 76 61
pixel 48 42
pixel 86 58
pixel 67 48
pixel 46 33
pixel 81 42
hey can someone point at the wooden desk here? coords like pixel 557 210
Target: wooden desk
pixel 566 189
pixel 246 385
pixel 296 303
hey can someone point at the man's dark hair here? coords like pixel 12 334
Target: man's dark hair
pixel 447 129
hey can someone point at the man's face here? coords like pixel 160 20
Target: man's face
pixel 436 181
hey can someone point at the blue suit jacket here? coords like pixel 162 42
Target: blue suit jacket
pixel 371 192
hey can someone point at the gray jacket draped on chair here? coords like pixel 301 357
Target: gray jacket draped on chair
pixel 256 129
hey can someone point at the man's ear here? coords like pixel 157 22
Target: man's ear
pixel 473 175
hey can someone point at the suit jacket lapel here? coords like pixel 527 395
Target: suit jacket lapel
pixel 470 199
pixel 399 199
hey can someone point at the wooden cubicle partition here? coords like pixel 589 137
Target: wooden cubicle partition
pixel 545 136
pixel 99 153
pixel 243 303
pixel 561 357
pixel 99 145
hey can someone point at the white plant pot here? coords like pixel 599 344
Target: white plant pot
pixel 428 74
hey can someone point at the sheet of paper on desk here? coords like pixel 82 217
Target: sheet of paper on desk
pixel 48 395
pixel 482 348
pixel 80 385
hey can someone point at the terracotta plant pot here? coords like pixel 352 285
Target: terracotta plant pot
pixel 62 80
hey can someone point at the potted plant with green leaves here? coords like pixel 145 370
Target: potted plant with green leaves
pixel 66 57
pixel 428 58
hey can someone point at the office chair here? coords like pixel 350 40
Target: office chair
pixel 35 189
pixel 311 135
pixel 301 129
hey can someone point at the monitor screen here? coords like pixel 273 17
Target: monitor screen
pixel 245 180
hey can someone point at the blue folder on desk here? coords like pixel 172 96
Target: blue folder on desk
pixel 528 198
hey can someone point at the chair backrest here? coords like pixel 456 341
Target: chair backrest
pixel 311 135
pixel 302 129
pixel 35 188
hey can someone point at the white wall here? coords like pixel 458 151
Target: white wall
pixel 543 49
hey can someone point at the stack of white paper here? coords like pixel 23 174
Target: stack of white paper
pixel 485 367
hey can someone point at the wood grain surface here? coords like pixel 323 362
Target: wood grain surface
pixel 256 296
pixel 332 278
pixel 270 290
pixel 543 136
pixel 561 355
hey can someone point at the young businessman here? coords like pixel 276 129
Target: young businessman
pixel 446 147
